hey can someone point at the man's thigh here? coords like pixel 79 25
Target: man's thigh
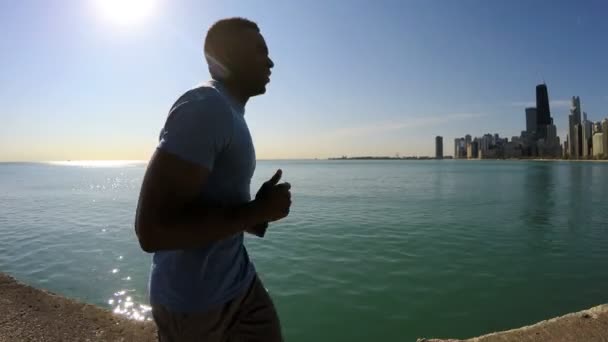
pixel 257 318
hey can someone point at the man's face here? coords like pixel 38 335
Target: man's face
pixel 252 64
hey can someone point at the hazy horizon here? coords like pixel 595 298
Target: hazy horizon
pixel 93 80
pixel 131 161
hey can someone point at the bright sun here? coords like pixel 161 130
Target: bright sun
pixel 126 13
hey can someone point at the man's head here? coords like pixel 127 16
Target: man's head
pixel 237 53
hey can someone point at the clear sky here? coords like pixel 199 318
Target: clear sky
pixel 78 81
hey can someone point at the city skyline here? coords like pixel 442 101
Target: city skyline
pixel 80 81
pixel 585 139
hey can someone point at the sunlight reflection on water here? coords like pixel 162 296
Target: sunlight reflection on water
pixel 123 304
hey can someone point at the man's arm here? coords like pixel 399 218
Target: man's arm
pixel 168 215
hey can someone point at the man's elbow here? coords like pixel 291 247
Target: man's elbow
pixel 147 246
pixel 146 238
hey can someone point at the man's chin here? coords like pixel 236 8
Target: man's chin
pixel 259 90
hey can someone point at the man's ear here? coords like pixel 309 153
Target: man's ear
pixel 216 68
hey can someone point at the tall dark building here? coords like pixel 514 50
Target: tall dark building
pixel 543 113
pixel 439 147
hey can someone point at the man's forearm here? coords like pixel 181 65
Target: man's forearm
pixel 201 224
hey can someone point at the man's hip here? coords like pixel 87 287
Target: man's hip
pixel 250 317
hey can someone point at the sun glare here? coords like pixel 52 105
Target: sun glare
pixel 98 163
pixel 125 13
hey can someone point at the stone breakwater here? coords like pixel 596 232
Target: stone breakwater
pixel 29 314
pixel 584 326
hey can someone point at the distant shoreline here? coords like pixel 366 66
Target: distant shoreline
pixel 110 163
pixel 472 159
pixel 572 160
pixel 387 158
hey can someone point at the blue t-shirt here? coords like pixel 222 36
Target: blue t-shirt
pixel 207 127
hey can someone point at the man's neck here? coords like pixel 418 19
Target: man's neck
pixel 236 93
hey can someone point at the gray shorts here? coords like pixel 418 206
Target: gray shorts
pixel 250 317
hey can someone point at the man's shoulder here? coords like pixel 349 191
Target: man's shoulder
pixel 202 98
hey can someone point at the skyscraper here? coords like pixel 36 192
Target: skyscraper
pixel 531 120
pixel 485 143
pixel 552 138
pixel 543 113
pixel 597 127
pixel 575 137
pixel 605 136
pixel 439 147
pixel 571 137
pixel 460 150
pixel 473 150
pixel 586 137
pixel 576 108
pixel 598 145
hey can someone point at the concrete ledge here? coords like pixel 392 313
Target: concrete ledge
pixel 588 325
pixel 29 314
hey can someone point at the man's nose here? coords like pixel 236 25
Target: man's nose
pixel 270 63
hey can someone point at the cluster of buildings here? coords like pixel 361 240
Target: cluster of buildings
pixel 585 139
pixel 486 147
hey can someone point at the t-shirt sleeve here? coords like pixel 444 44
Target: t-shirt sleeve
pixel 196 132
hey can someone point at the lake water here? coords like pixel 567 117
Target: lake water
pixel 373 250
